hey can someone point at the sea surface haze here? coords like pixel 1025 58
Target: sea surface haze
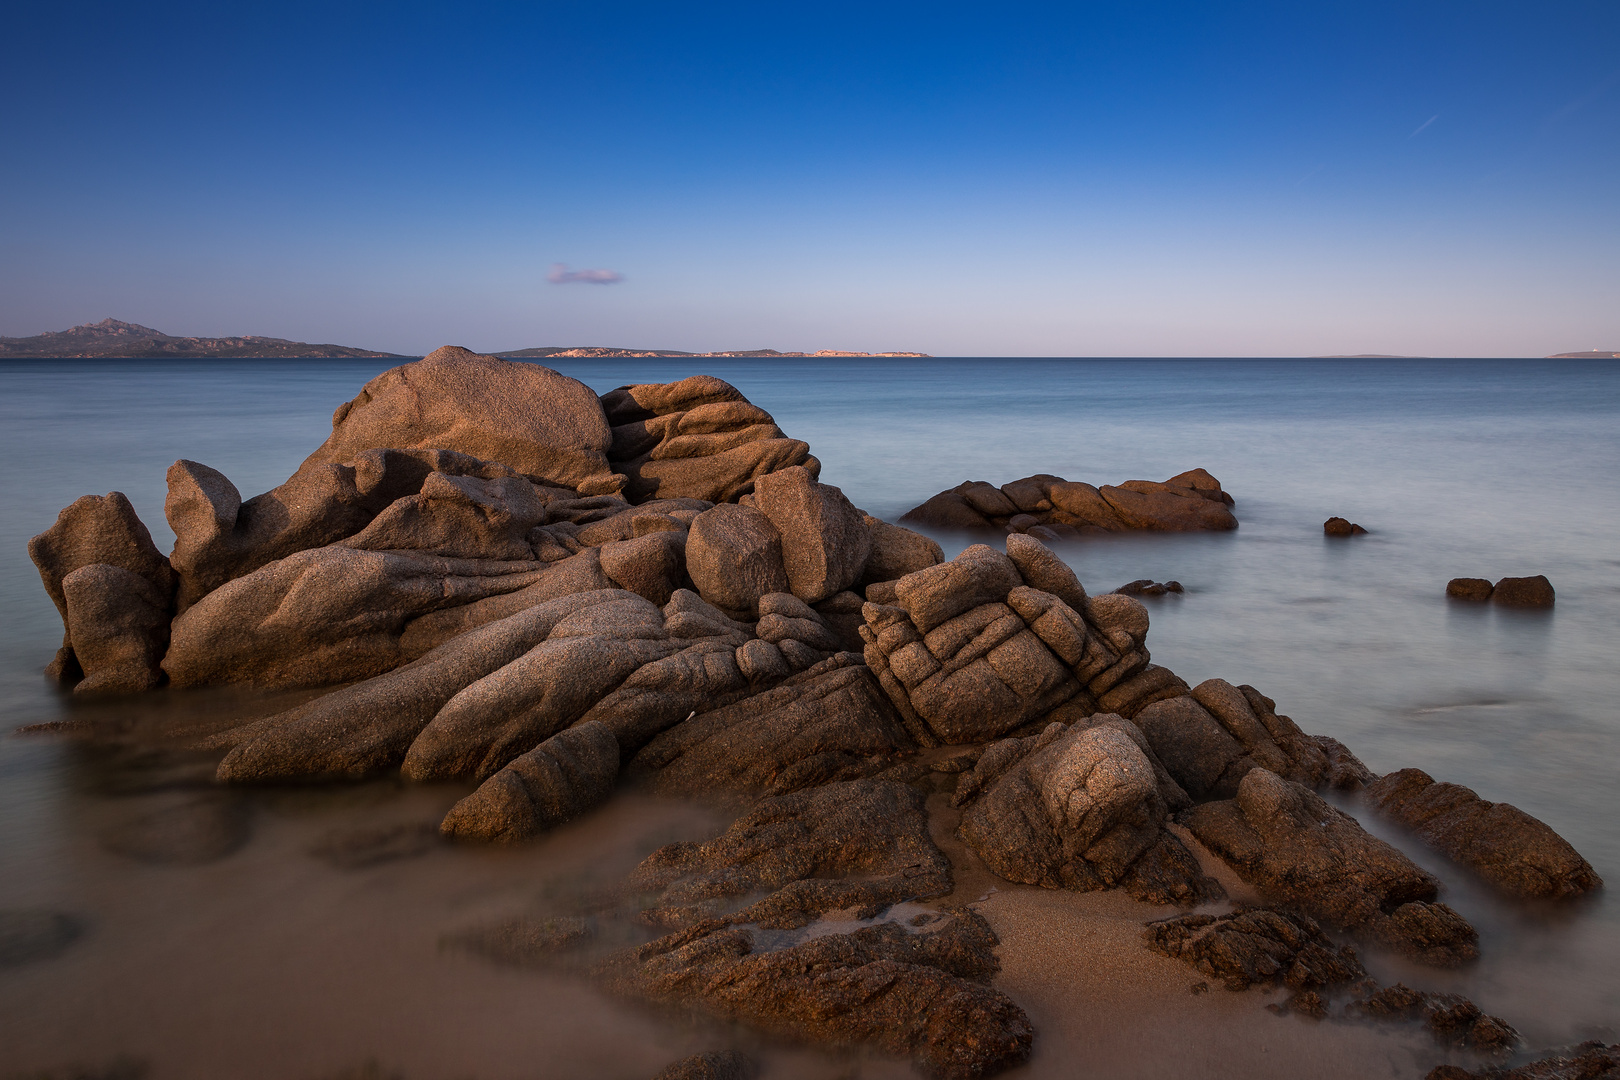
pixel 275 963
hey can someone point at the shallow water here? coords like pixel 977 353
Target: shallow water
pixel 272 962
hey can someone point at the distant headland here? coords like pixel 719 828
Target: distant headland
pixel 1590 354
pixel 596 351
pixel 112 338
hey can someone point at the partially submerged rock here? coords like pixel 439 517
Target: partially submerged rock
pixel 1517 853
pixel 1188 502
pixel 1452 1019
pixel 1342 527
pixel 569 773
pixel 30 934
pixel 1587 1061
pixel 711 1065
pixel 1524 592
pixel 1297 850
pixel 1257 947
pixel 1469 588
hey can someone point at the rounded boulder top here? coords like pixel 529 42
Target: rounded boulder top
pixel 540 422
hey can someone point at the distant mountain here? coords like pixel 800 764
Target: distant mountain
pixel 1594 354
pixel 111 338
pixel 599 351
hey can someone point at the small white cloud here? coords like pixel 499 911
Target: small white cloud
pixel 561 275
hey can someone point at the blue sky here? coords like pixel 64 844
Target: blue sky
pixel 1077 179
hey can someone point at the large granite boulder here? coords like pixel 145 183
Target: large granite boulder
pixel 697 438
pixel 734 557
pixel 118 624
pixel 1299 851
pixel 896 551
pixel 825 540
pixel 1188 502
pixel 1081 808
pixel 105 530
pixel 566 775
pixel 545 425
pixel 1517 853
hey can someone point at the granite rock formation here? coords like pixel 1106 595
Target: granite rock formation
pixel 1051 508
pixel 540 594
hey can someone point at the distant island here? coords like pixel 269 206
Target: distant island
pixel 111 338
pixel 1590 354
pixel 597 351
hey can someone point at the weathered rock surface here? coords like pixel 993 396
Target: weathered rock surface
pixel 541 423
pixel 1517 853
pixel 118 622
pixel 1299 851
pixel 968 651
pixel 896 551
pixel 1210 739
pixel 1469 588
pixel 734 557
pixel 831 722
pixel 697 438
pixel 825 540
pixel 566 775
pixel 368 728
pixel 1256 947
pixel 856 844
pixel 337 613
pixel 1081 808
pixel 1524 592
pixel 921 993
pixel 1188 502
pixel 103 530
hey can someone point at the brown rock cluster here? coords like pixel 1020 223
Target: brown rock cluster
pixel 1052 508
pixel 541 594
pixel 1510 591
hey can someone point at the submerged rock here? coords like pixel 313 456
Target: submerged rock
pixel 187 832
pixel 1452 1019
pixel 1517 853
pixel 1338 526
pixel 1299 851
pixel 27 935
pixel 711 1065
pixel 1588 1061
pixel 1257 947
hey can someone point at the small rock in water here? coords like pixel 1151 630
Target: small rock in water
pixel 1149 587
pixel 523 942
pixel 1524 591
pixel 355 848
pixel 1338 526
pixel 1469 588
pixel 713 1065
pixel 189 833
pixel 35 935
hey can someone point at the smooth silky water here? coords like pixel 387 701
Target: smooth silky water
pixel 273 962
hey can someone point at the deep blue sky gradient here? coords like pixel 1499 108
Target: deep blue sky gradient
pixel 1078 179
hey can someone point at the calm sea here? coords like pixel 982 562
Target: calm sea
pixel 1479 468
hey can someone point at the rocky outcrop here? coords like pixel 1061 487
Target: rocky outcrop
pixel 1299 851
pixel 1080 808
pixel 1257 947
pixel 1517 853
pixel 1149 587
pixel 918 993
pixel 1188 502
pixel 120 607
pixel 1342 527
pixel 711 1065
pixel 545 425
pixel 861 844
pixel 968 651
pixel 1452 1019
pixel 825 540
pixel 734 556
pixel 1588 1061
pixel 697 438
